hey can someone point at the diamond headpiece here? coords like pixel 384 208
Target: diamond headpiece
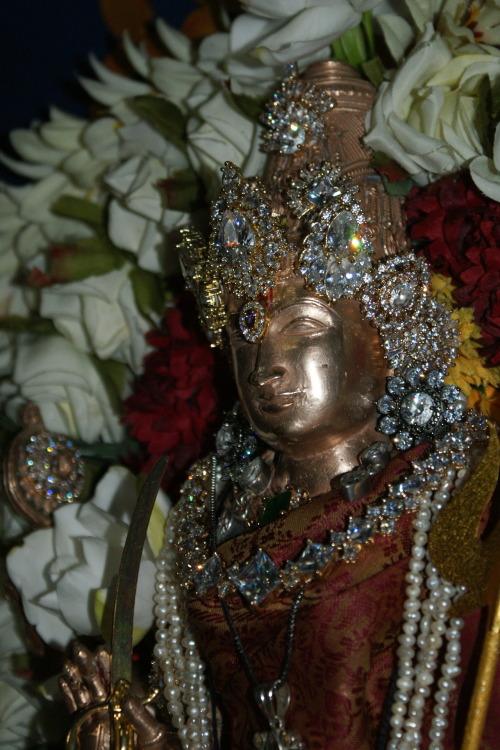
pixel 325 221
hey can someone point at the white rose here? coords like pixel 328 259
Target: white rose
pixel 221 133
pixel 486 172
pixel 65 573
pixel 27 223
pixel 299 29
pixel 99 315
pixel 425 117
pixel 137 218
pixel 65 144
pixel 11 638
pixel 287 8
pixel 71 393
pixel 20 720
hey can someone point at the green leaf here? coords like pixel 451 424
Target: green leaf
pixel 251 106
pixel 396 180
pixel 17 324
pixel 91 256
pixel 162 115
pixel 367 24
pixel 80 209
pixel 374 70
pixel 487 113
pixel 338 51
pixel 353 48
pixel 109 453
pixel 115 376
pixel 400 187
pixel 148 291
pixel 482 116
pixel 182 190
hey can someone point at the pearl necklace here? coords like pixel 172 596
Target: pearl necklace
pixel 425 623
pixel 177 653
pixel 426 628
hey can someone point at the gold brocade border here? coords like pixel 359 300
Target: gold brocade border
pixel 455 543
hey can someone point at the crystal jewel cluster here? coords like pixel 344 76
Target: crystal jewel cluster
pixel 52 467
pixel 419 407
pixel 337 255
pixel 294 115
pixel 415 329
pixel 247 245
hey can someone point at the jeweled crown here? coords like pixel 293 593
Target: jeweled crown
pixel 324 216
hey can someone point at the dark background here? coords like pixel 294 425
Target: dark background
pixel 44 45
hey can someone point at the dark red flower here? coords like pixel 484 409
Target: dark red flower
pixel 457 229
pixel 177 402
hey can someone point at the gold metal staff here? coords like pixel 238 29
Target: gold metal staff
pixel 488 662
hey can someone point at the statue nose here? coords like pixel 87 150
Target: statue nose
pixel 264 375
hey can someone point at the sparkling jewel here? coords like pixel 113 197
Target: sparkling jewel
pixel 235 231
pixel 402 293
pixel 417 408
pixel 342 232
pixel 293 114
pixel 253 321
pixel 257 579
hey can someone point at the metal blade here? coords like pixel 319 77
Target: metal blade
pixel 123 612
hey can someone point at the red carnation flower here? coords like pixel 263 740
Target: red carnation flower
pixel 177 402
pixel 457 229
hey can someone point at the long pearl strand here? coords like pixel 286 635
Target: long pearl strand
pixel 425 629
pixel 177 654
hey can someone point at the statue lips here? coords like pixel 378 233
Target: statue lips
pixel 270 402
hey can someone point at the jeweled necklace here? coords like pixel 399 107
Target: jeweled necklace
pixel 272 698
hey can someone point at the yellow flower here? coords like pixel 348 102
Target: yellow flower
pixel 443 288
pixel 480 384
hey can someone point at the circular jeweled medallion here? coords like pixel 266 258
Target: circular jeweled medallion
pixel 253 321
pixel 43 470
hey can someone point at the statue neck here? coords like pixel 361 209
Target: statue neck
pixel 314 473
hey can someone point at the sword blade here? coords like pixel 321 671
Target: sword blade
pixel 123 612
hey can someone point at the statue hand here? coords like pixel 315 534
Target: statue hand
pixel 85 683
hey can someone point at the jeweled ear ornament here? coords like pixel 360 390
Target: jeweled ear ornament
pixel 42 470
pixel 416 330
pixel 419 407
pixel 294 115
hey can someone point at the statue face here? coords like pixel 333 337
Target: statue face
pixel 313 379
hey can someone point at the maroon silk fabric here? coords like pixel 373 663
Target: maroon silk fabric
pixel 345 636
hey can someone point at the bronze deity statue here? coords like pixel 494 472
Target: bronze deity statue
pixel 311 592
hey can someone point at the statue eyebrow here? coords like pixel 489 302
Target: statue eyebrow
pixel 319 304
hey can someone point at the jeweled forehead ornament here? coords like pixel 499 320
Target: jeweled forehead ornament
pixel 247 250
pixel 294 115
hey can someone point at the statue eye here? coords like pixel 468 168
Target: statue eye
pixel 304 325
